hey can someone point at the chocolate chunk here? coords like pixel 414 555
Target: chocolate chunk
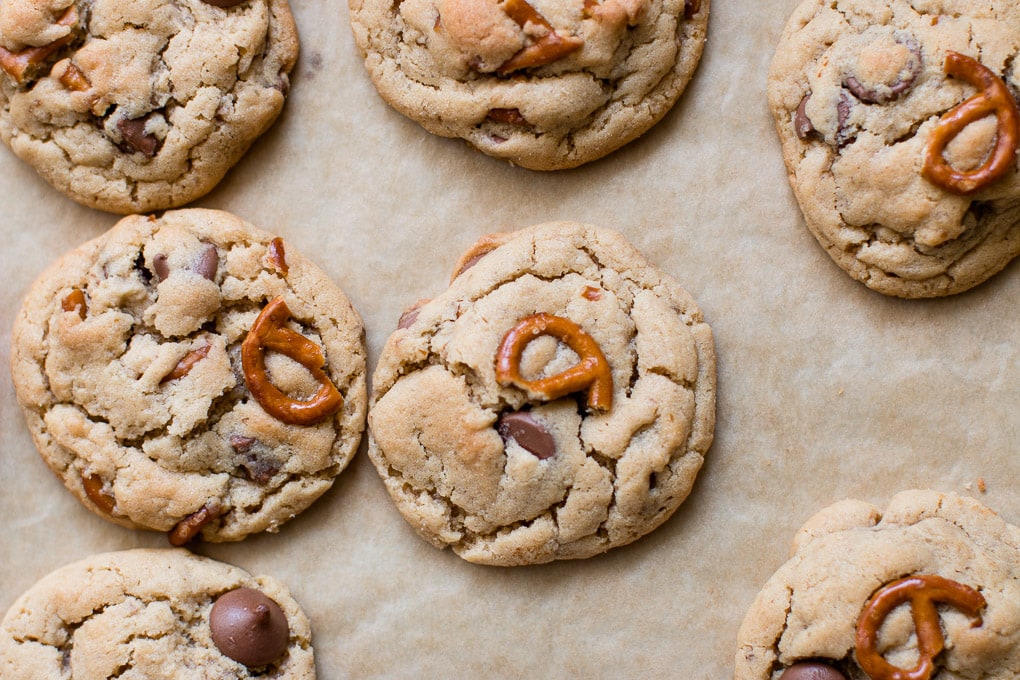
pixel 691 8
pixel 135 136
pixel 802 125
pixel 160 266
pixel 208 262
pixel 223 3
pixel 254 458
pixel 249 627
pixel 522 427
pixel 811 670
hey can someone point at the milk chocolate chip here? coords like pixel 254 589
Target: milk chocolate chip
pixel 811 670
pixel 802 125
pixel 249 627
pixel 522 427
pixel 208 262
pixel 886 70
pixel 160 266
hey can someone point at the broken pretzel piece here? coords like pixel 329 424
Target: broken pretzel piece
pixel 547 49
pixel 16 64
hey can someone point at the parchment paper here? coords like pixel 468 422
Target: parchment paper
pixel 826 389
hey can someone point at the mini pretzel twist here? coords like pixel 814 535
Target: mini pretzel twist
pixel 993 97
pixel 922 592
pixel 269 333
pixel 591 373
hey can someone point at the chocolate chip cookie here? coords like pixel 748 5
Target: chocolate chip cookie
pixel 928 588
pixel 155 614
pixel 544 84
pixel 556 401
pixel 134 106
pixel 899 126
pixel 192 374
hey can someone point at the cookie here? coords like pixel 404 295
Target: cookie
pixel 879 594
pixel 899 127
pixel 135 106
pixel 556 401
pixel 544 84
pixel 155 614
pixel 191 374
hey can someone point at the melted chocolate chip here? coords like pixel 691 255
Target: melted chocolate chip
pixel 135 136
pixel 844 135
pixel 160 266
pixel 887 92
pixel 249 627
pixel 254 458
pixel 529 434
pixel 208 262
pixel 811 670
pixel 802 125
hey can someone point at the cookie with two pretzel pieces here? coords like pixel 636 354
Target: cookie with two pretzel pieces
pixel 544 84
pixel 927 588
pixel 556 401
pixel 155 614
pixel 899 126
pixel 191 373
pixel 133 106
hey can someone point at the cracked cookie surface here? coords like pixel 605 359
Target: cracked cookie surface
pixel 504 470
pixel 140 105
pixel 129 361
pixel 544 84
pixel 809 609
pixel 857 89
pixel 140 614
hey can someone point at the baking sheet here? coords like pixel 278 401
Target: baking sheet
pixel 826 390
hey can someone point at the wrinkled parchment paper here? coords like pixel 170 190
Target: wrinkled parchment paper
pixel 826 389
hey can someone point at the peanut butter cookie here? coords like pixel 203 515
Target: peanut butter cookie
pixel 929 588
pixel 899 127
pixel 544 84
pixel 140 105
pixel 191 374
pixel 555 402
pixel 158 614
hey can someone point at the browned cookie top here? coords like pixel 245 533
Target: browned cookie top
pixel 140 105
pixel 899 126
pixel 545 84
pixel 192 374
